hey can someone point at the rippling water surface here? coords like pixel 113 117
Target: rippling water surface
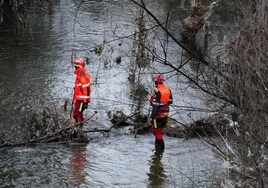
pixel 120 161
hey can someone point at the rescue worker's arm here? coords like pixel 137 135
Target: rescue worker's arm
pixel 85 85
pixel 154 104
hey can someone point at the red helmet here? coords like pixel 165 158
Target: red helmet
pixel 158 78
pixel 79 63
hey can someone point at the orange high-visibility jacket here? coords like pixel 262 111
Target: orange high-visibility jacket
pixel 82 85
pixel 160 101
pixel 165 93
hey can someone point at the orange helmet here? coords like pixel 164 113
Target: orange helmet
pixel 158 78
pixel 79 63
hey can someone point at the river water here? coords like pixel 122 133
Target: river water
pixel 37 63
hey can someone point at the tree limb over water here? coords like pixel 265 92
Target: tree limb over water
pixel 239 79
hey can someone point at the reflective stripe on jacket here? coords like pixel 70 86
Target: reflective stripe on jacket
pixel 82 85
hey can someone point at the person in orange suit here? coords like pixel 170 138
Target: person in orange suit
pixel 160 102
pixel 81 96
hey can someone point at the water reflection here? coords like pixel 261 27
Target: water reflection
pixel 156 176
pixel 78 161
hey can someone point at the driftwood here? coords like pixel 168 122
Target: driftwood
pixel 138 123
pixel 205 127
pixel 53 133
pixel 75 130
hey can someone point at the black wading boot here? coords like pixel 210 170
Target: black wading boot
pixel 159 145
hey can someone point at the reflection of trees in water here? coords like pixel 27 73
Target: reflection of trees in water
pixel 78 164
pixel 156 176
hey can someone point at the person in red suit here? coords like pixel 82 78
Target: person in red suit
pixel 160 102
